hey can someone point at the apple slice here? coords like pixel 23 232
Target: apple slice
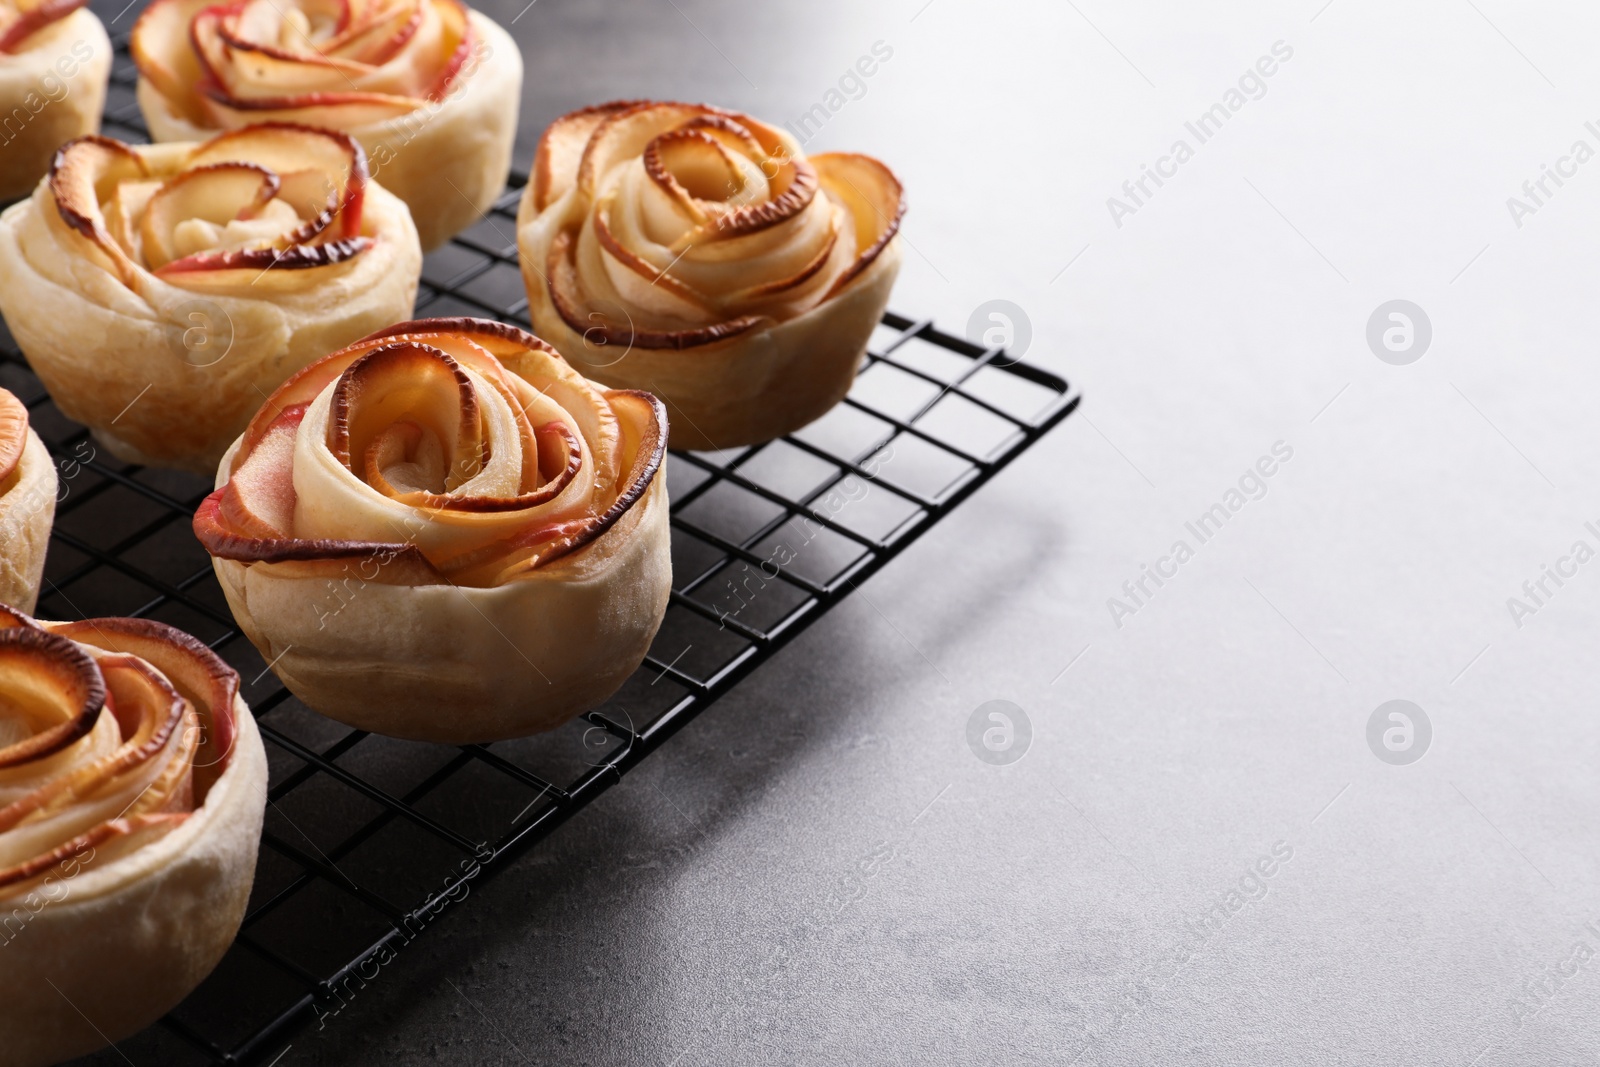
pixel 251 517
pixel 257 270
pixel 503 340
pixel 197 672
pixel 873 196
pixel 54 686
pixel 329 110
pixel 315 197
pixel 643 418
pixel 258 500
pixel 567 296
pixel 827 253
pixel 379 39
pixel 793 190
pixel 216 193
pixel 455 25
pixel 263 70
pixel 205 41
pixel 30 19
pixel 13 433
pixel 162 47
pixel 324 172
pixel 149 711
pixel 642 284
pixel 287 26
pixel 83 173
pixel 407 382
pixel 694 170
pixel 103 843
pixel 728 131
pixel 560 150
pixel 623 135
pixel 399 564
pixel 352 13
pixel 123 212
pixel 643 447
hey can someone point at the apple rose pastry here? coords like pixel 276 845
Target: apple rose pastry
pixel 697 254
pixel 161 291
pixel 27 505
pixel 444 533
pixel 132 786
pixel 429 87
pixel 55 60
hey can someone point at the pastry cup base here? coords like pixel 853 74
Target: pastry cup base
pixel 121 945
pixel 26 512
pixel 743 391
pixel 459 665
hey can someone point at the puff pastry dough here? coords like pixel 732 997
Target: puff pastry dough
pixel 161 291
pixel 55 59
pixel 445 533
pixel 429 87
pixel 699 254
pixel 27 505
pixel 132 786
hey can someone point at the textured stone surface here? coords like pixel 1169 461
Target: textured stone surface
pixel 819 870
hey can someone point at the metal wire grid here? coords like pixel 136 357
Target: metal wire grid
pixel 369 839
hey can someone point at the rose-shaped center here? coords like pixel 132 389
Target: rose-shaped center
pixel 472 453
pixel 304 28
pixel 97 752
pixel 274 197
pixel 688 225
pixel 342 63
pixel 449 457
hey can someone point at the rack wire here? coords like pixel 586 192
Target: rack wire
pixel 369 839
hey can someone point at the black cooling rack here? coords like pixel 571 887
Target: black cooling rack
pixel 368 839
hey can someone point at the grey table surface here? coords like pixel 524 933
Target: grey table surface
pixel 819 870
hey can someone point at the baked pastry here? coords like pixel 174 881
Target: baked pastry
pixel 132 786
pixel 55 60
pixel 428 86
pixel 445 533
pixel 699 254
pixel 161 291
pixel 27 505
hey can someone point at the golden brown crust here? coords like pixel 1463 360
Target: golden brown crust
pixel 60 678
pixel 230 528
pixel 683 230
pixel 77 677
pixel 160 291
pixel 27 507
pixel 566 137
pixel 402 510
pixel 126 926
pixel 428 86
pixel 53 77
pixel 13 433
pixel 563 293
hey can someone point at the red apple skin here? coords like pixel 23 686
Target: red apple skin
pixel 299 257
pixel 458 58
pixel 221 11
pixel 390 48
pixel 264 483
pixel 65 182
pixel 239 44
pixel 31 22
pixel 349 211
